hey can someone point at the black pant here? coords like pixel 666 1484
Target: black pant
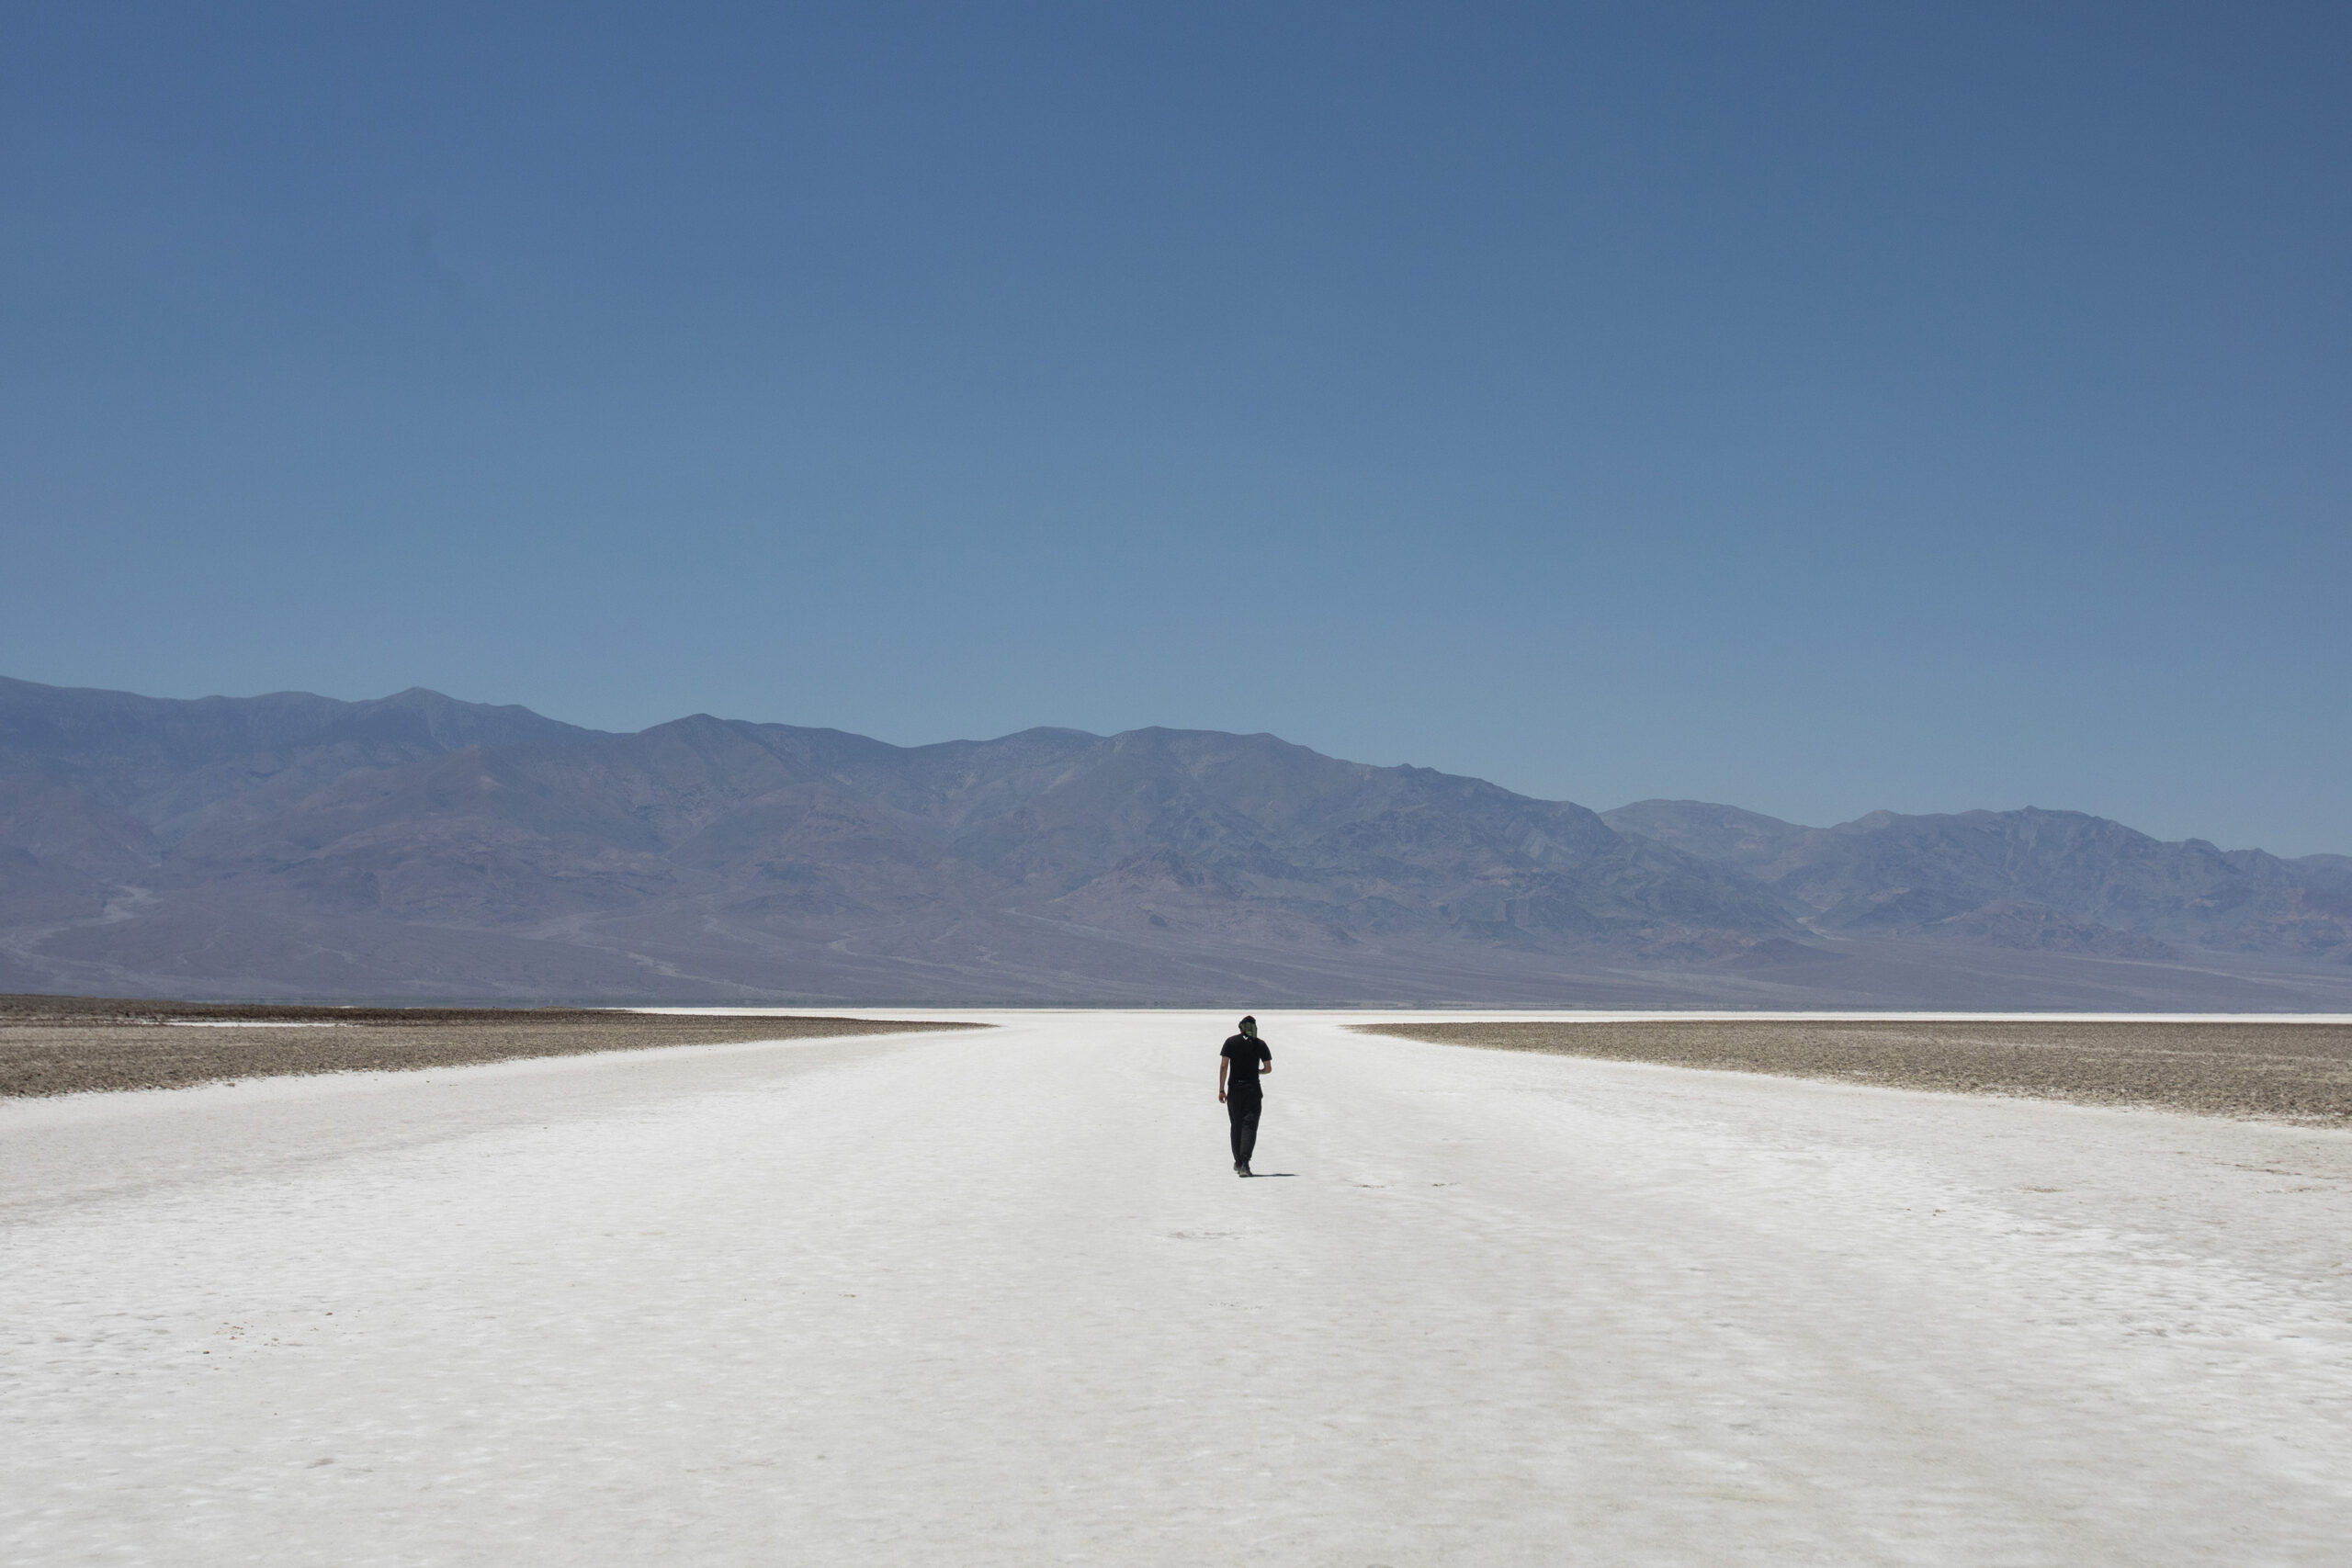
pixel 1243 1114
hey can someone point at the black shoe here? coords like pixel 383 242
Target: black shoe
pixel 1242 1169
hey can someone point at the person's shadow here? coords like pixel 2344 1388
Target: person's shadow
pixel 1271 1175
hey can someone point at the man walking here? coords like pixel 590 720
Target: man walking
pixel 1238 1066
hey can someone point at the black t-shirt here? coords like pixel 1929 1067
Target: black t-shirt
pixel 1245 1054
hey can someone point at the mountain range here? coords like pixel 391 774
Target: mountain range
pixel 416 847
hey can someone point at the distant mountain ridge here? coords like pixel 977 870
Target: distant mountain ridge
pixel 2031 879
pixel 418 846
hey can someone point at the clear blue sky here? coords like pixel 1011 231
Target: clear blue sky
pixel 1817 408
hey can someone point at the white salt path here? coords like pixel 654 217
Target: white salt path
pixel 995 1297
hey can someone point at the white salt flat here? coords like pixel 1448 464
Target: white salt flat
pixel 995 1297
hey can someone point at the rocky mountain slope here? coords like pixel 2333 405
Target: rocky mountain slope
pixel 417 846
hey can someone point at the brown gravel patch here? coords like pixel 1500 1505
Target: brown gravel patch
pixel 68 1045
pixel 2273 1071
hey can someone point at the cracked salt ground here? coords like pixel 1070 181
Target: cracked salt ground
pixel 995 1297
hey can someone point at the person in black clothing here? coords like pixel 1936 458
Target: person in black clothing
pixel 1238 1066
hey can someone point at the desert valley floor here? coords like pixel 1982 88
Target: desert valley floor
pixel 994 1297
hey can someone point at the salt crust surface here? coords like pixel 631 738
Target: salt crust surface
pixel 994 1298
